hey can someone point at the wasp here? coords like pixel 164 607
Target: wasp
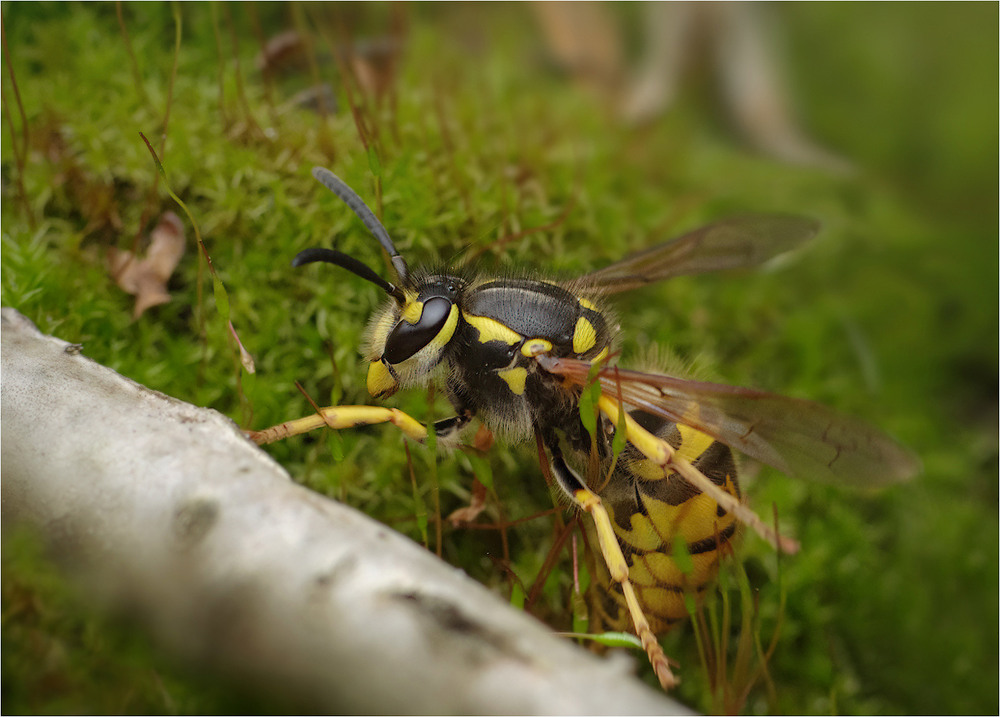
pixel 519 353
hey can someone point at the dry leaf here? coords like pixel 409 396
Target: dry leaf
pixel 245 358
pixel 475 507
pixel 146 278
pixel 483 439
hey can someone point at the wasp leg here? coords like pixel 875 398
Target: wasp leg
pixel 589 501
pixel 339 417
pixel 662 453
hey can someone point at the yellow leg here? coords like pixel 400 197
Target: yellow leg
pixel 618 567
pixel 662 453
pixel 340 417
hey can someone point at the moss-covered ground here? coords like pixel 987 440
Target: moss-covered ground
pixel 891 315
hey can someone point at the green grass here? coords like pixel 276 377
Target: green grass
pixel 891 315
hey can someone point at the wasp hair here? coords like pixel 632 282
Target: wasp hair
pixel 332 256
pixel 347 195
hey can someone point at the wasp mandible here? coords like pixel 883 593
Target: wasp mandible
pixel 519 352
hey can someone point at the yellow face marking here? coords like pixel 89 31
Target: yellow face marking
pixel 412 311
pixel 536 347
pixel 384 380
pixel 587 304
pixel 602 355
pixel 448 330
pixel 443 336
pixel 515 378
pixel 584 336
pixel 380 381
pixel 378 332
pixel 492 330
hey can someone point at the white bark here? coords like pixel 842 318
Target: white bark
pixel 171 512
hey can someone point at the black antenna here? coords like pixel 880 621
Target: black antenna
pixel 332 256
pixel 347 195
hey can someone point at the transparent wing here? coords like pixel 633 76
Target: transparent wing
pixel 728 244
pixel 799 438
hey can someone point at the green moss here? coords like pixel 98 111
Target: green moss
pixel 891 315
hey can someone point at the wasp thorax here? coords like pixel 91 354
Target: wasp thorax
pixel 407 342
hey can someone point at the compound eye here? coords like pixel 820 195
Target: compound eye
pixel 406 339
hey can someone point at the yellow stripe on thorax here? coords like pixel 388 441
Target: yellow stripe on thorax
pixel 515 378
pixel 534 347
pixel 584 336
pixel 492 330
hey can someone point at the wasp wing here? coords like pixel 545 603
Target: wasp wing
pixel 799 438
pixel 728 244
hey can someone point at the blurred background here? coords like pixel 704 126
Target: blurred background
pixel 559 137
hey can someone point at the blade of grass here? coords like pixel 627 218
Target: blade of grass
pixel 241 96
pixel 420 507
pixel 309 48
pixel 20 154
pixel 221 66
pixel 223 309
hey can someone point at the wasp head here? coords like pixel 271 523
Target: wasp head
pixel 407 339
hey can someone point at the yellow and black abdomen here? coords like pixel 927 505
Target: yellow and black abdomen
pixel 651 511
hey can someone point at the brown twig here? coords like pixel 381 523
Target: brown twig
pixel 133 63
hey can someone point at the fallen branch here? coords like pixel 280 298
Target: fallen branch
pixel 168 510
